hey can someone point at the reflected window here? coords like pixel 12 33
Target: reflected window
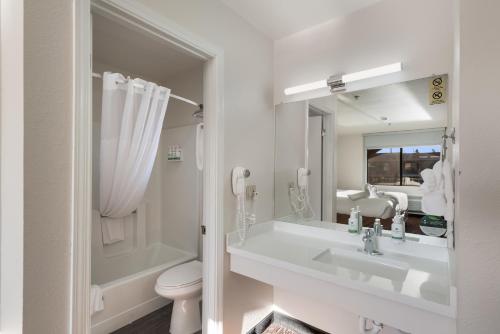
pixel 400 166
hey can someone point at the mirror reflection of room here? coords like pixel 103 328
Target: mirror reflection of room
pixel 380 153
pixel 386 137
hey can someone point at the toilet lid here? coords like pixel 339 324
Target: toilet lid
pixel 181 275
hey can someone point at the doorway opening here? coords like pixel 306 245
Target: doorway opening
pixel 127 258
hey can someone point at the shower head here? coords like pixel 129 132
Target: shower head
pixel 198 114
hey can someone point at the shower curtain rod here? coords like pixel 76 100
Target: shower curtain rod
pixel 180 98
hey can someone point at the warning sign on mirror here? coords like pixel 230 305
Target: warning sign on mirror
pixel 437 90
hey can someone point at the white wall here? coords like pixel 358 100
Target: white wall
pixel 417 33
pixel 350 161
pixel 478 185
pixel 11 165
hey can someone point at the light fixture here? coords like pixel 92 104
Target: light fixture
pixel 306 87
pixel 373 72
pixel 338 82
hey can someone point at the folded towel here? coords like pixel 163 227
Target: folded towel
pixel 113 230
pixel 96 299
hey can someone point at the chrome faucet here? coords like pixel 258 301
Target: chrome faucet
pixel 370 242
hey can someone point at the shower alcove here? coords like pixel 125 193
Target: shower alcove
pixel 164 230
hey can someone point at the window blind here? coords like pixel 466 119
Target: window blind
pixel 403 138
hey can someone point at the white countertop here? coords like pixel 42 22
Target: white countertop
pixel 425 283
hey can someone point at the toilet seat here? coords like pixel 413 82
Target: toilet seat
pixel 181 276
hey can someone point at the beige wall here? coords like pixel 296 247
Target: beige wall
pixel 350 161
pixel 47 168
pixel 478 210
pixel 188 84
pixel 11 165
pixel 290 146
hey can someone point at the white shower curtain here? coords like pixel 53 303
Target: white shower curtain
pixel 132 120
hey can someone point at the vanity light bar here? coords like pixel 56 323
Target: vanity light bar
pixel 374 72
pixel 306 87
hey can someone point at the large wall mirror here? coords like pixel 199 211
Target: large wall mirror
pixel 363 149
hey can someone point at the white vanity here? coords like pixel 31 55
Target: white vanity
pixel 374 161
pixel 409 286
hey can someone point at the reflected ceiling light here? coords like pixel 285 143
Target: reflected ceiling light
pixel 338 82
pixel 306 87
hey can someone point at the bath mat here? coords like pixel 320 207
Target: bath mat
pixel 277 323
pixel 278 329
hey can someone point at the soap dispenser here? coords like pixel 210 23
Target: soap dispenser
pixel 377 227
pixel 398 226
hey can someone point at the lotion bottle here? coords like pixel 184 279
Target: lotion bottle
pixel 353 222
pixel 398 227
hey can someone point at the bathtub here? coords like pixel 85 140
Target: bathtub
pixel 127 282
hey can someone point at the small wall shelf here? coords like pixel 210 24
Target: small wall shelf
pixel 174 153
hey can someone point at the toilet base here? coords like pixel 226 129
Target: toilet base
pixel 186 317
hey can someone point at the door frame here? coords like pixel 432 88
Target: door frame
pixel 11 165
pixel 144 18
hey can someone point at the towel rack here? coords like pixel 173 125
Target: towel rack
pixel 444 145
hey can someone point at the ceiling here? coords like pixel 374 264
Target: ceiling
pixel 123 48
pixel 396 107
pixel 280 18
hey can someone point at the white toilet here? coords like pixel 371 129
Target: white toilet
pixel 183 284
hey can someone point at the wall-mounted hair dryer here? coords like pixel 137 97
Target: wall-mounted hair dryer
pixel 299 196
pixel 243 218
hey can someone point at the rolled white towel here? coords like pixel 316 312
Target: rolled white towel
pixel 434 203
pixel 373 191
pixel 437 190
pixel 429 179
pixel 96 299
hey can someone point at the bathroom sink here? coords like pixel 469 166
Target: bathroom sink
pixel 359 262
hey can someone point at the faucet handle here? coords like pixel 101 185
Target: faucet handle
pixel 368 234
